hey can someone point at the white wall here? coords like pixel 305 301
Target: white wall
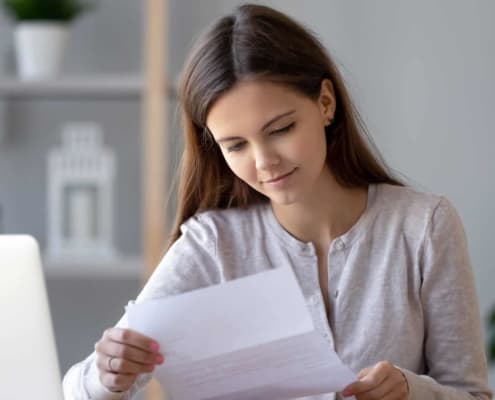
pixel 423 76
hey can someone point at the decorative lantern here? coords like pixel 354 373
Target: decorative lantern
pixel 80 196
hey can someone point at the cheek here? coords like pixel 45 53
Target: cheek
pixel 241 166
pixel 311 145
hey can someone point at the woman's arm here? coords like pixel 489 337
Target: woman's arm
pixel 453 348
pixel 189 264
pixel 454 352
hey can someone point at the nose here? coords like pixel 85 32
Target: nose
pixel 265 157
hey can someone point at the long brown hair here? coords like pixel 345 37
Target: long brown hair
pixel 259 42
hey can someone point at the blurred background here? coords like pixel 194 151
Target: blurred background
pixel 422 74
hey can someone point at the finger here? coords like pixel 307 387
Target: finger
pixel 132 338
pixel 378 392
pixel 369 378
pixel 356 388
pixel 118 350
pixel 102 345
pixel 397 393
pixel 364 372
pixel 117 382
pixel 399 388
pixel 121 366
pixel 378 373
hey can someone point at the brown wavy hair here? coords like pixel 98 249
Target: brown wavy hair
pixel 259 42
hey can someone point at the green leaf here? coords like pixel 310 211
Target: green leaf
pixel 46 10
pixel 491 337
pixel 491 318
pixel 491 347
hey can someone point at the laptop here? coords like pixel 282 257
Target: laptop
pixel 29 366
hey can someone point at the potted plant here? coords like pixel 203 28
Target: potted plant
pixel 41 33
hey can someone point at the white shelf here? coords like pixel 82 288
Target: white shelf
pixel 103 86
pixel 129 267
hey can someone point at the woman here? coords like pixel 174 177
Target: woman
pixel 276 171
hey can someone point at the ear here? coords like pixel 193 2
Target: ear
pixel 326 101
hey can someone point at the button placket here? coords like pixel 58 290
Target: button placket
pixel 307 249
pixel 339 244
pixel 336 262
pixel 334 275
pixel 317 302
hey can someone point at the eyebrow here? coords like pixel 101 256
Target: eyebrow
pixel 264 127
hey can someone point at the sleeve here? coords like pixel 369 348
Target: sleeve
pixel 189 264
pixel 455 360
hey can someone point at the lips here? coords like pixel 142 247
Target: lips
pixel 280 177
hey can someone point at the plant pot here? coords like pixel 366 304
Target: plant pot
pixel 39 48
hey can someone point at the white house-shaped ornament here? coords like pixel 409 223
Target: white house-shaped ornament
pixel 80 196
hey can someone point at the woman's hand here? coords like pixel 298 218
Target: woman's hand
pixel 123 354
pixel 381 381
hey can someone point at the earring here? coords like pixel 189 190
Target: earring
pixel 329 122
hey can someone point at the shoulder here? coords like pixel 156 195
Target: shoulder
pixel 406 197
pixel 414 210
pixel 408 201
pixel 226 223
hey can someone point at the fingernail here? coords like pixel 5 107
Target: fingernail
pixel 159 359
pixel 154 346
pixel 346 393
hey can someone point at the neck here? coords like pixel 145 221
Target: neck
pixel 327 213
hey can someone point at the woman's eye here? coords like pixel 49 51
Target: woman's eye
pixel 284 129
pixel 235 147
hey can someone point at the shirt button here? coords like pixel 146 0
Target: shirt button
pixel 336 293
pixel 339 245
pixel 306 249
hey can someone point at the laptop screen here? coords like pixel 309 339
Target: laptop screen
pixel 29 367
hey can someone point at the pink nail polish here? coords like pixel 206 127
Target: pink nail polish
pixel 154 347
pixel 159 359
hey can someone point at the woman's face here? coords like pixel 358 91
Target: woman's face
pixel 273 137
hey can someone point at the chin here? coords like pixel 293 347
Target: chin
pixel 283 199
